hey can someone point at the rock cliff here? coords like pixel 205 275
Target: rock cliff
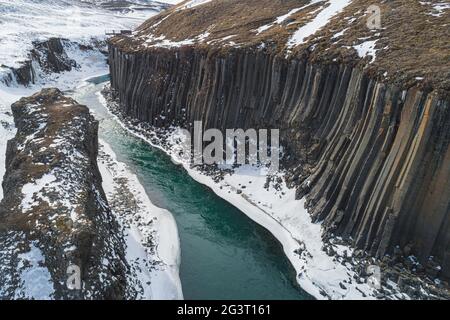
pixel 54 217
pixel 47 56
pixel 370 153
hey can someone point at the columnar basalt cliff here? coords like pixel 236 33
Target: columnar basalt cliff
pixel 372 159
pixel 371 156
pixel 54 216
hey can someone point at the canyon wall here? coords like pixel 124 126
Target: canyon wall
pixel 46 57
pixel 372 160
pixel 54 217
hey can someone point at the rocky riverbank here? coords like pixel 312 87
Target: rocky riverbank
pixel 150 233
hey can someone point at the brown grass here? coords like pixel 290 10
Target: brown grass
pixel 411 44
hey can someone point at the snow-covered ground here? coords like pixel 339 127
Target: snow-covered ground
pixel 193 3
pixel 35 278
pixel 7 132
pixel 26 21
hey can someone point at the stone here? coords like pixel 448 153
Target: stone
pixel 54 203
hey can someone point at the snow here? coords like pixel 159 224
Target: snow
pixel 339 34
pixel 282 18
pixel 438 9
pixel 193 3
pixel 441 7
pixel 264 28
pixel 160 21
pixel 172 1
pixel 7 132
pixel 321 19
pixel 163 283
pixel 367 48
pixel 31 190
pixel 35 279
pixel 162 42
pixel 25 21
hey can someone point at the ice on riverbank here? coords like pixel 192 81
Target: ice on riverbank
pixel 151 234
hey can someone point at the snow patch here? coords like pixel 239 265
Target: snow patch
pixel 193 3
pixel 322 18
pixel 162 42
pixel 437 9
pixel 282 18
pixel 366 49
pixel 32 190
pixel 264 28
pixel 339 34
pixel 35 279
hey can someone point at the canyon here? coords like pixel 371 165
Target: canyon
pixel 370 156
pixel 364 122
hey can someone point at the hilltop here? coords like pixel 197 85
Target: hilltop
pixel 406 49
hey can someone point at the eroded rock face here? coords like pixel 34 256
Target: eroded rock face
pixel 54 215
pixel 52 56
pixel 49 56
pixel 372 159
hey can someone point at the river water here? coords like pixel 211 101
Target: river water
pixel 225 255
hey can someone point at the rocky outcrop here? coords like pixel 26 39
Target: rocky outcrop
pixel 51 55
pixel 372 159
pixel 54 218
pixel 47 56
